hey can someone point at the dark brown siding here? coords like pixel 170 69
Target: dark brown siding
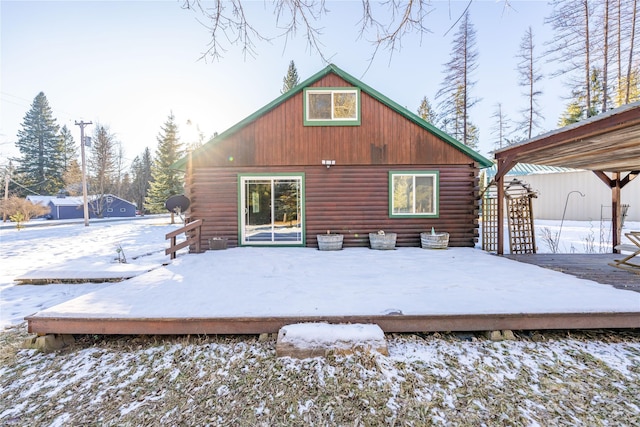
pixel 353 201
pixel 278 138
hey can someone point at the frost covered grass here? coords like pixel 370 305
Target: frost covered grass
pixel 550 378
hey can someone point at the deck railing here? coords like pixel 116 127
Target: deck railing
pixel 194 239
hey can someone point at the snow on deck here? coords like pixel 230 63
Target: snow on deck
pixel 264 282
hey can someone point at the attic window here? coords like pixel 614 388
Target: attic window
pixel 331 107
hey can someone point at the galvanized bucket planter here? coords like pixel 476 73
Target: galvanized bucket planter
pixel 434 240
pixel 217 243
pixel 330 242
pixel 383 241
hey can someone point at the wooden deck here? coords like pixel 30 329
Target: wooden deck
pixel 593 267
pixel 586 266
pixel 388 323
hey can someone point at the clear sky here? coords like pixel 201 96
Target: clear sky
pixel 128 65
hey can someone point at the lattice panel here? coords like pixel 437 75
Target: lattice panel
pixel 520 219
pixel 490 223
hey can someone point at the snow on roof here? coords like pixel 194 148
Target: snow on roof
pixel 69 200
pixel 43 200
pixel 530 169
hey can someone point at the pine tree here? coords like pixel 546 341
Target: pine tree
pixel 573 114
pixel 500 130
pixel 630 92
pixel 291 80
pixel 427 113
pixel 40 167
pixel 102 167
pixel 455 90
pixel 529 76
pixel 166 182
pixel 73 178
pixel 141 178
pixel 572 45
pixel 67 147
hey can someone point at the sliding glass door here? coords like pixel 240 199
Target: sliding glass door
pixel 271 210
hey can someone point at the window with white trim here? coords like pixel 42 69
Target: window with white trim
pixel 413 194
pixel 331 106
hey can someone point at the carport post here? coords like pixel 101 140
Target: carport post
pixel 616 211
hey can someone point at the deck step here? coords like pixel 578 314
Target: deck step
pixel 305 340
pixel 100 274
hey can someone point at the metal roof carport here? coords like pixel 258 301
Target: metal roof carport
pixel 606 143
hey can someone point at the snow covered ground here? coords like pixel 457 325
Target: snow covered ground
pixel 280 281
pixel 554 378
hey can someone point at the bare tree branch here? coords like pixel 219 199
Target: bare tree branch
pixel 226 18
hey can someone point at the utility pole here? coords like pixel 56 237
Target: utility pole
pixel 82 124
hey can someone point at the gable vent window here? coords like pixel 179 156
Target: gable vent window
pixel 331 107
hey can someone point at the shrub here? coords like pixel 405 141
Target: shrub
pixel 16 207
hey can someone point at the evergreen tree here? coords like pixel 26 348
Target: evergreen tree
pixel 529 76
pixel 166 182
pixel 68 147
pixel 102 164
pixel 573 114
pixel 426 112
pixel 572 45
pixel 141 178
pixel 630 92
pixel 291 80
pixel 576 110
pixel 73 178
pixel 597 89
pixel 40 168
pixel 500 129
pixel 455 90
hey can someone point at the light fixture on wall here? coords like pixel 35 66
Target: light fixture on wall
pixel 328 163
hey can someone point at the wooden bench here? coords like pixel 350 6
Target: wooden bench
pixel 633 248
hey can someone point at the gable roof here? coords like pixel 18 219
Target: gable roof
pixel 331 68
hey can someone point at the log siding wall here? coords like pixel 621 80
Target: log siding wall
pixel 349 198
pixel 353 201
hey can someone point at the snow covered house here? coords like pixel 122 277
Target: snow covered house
pixel 333 154
pixel 71 207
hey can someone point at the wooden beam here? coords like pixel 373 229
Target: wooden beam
pixel 605 178
pixel 630 177
pixel 504 165
pixel 388 323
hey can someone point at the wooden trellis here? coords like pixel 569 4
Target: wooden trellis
pixel 518 197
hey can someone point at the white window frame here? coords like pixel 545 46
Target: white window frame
pixel 435 213
pixel 333 121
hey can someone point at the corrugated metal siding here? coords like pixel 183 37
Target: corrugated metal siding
pixel 353 201
pixel 553 190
